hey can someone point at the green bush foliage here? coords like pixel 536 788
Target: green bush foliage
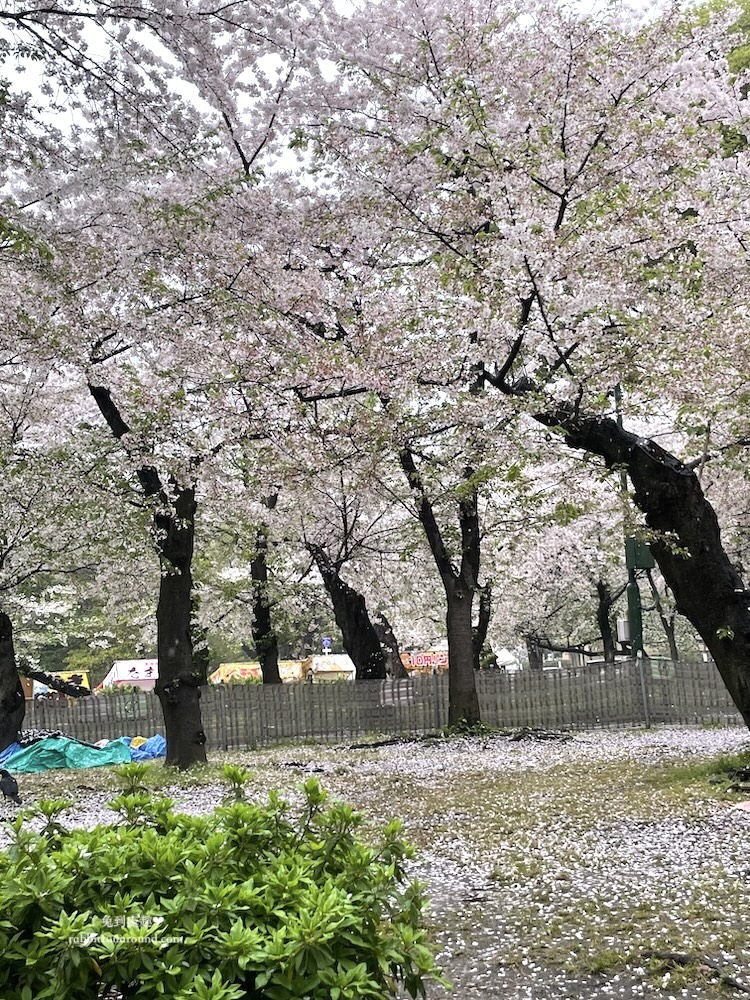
pixel 251 902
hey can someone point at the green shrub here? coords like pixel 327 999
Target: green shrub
pixel 248 903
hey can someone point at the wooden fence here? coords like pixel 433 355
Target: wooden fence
pixel 630 693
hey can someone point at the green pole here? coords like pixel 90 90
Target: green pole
pixel 635 617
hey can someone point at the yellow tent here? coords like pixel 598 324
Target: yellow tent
pixel 290 670
pixel 226 672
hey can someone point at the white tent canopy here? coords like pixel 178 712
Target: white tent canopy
pixel 330 667
pixel 133 673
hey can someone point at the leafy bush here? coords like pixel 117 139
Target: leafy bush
pixel 248 903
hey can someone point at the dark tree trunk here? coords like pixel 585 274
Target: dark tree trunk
pixel 12 702
pixel 463 702
pixel 350 611
pixel 687 546
pixel 460 586
pixel 180 679
pixel 265 638
pixel 534 653
pixel 393 663
pixel 603 611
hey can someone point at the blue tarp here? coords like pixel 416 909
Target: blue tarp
pixel 57 752
pixel 155 746
pixel 9 752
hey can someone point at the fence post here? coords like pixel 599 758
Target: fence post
pixel 221 704
pixel 644 692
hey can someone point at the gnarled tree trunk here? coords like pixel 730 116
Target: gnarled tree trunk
pixel 350 611
pixel 393 663
pixel 687 546
pixel 180 678
pixel 534 652
pixel 479 632
pixel 463 702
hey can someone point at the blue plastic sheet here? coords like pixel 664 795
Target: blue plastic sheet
pixel 155 746
pixel 61 752
pixel 9 752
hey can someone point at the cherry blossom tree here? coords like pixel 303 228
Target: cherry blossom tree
pixel 562 585
pixel 350 527
pixel 46 510
pixel 562 178
pixel 54 527
pixel 141 222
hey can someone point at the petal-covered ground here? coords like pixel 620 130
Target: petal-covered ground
pixel 608 864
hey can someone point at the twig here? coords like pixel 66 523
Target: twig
pixel 683 958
